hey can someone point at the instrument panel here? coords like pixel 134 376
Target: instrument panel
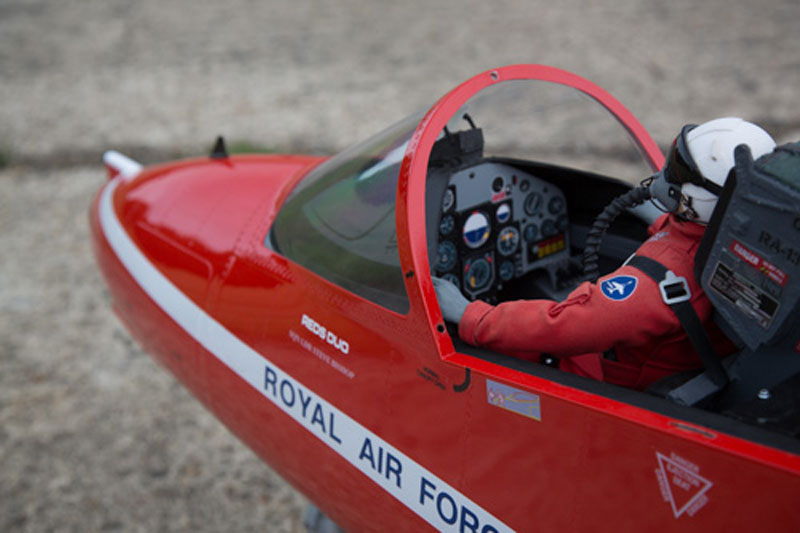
pixel 499 223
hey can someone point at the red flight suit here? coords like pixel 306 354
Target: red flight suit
pixel 617 312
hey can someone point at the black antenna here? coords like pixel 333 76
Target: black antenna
pixel 219 151
pixel 469 119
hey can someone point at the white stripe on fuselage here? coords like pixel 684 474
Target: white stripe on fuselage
pixel 439 504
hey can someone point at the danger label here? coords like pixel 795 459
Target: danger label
pixel 759 263
pixel 681 484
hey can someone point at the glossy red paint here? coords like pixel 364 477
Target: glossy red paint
pixel 589 462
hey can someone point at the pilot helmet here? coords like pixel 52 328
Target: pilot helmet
pixel 702 156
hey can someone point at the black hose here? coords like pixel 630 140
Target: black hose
pixel 591 252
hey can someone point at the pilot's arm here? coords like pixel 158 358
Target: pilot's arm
pixel 623 308
pixel 620 308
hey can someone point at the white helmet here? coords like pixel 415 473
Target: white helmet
pixel 702 157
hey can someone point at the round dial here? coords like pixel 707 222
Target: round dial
pixel 506 270
pixel 533 203
pixel 478 275
pixel 549 228
pixel 447 224
pixel 449 200
pixel 503 213
pixel 452 278
pixel 497 184
pixel 476 230
pixel 508 240
pixel 446 256
pixel 556 205
pixel 531 231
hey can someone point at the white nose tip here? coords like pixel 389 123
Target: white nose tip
pixel 123 165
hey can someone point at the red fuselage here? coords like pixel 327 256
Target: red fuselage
pixel 373 414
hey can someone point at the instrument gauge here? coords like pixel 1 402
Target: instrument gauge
pixel 531 231
pixel 446 256
pixel 506 270
pixel 507 241
pixel 549 228
pixel 449 200
pixel 477 275
pixel 476 230
pixel 497 184
pixel 447 224
pixel 533 203
pixel 503 213
pixel 556 205
pixel 452 278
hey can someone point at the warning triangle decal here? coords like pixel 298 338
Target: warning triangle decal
pixel 681 484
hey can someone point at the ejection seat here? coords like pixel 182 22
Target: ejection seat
pixel 748 263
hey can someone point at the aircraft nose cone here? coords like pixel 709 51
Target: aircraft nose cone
pixel 189 217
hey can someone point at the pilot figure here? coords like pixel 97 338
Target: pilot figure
pixel 620 330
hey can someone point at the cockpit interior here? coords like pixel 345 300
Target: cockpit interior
pixel 505 229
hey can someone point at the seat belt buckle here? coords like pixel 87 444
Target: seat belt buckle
pixel 674 289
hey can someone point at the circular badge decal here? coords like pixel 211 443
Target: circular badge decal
pixel 619 288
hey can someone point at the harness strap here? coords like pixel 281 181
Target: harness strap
pixel 676 294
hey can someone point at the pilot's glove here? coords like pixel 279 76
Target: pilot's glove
pixel 451 301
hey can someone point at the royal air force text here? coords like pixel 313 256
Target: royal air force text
pixel 449 507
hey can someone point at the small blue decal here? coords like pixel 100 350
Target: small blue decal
pixel 619 288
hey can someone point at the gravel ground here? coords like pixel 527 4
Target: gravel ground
pixel 93 434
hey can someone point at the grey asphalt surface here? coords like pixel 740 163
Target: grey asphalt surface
pixel 96 436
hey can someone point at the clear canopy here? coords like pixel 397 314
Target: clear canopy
pixel 555 124
pixel 339 221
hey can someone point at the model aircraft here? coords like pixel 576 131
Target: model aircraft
pixel 293 296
